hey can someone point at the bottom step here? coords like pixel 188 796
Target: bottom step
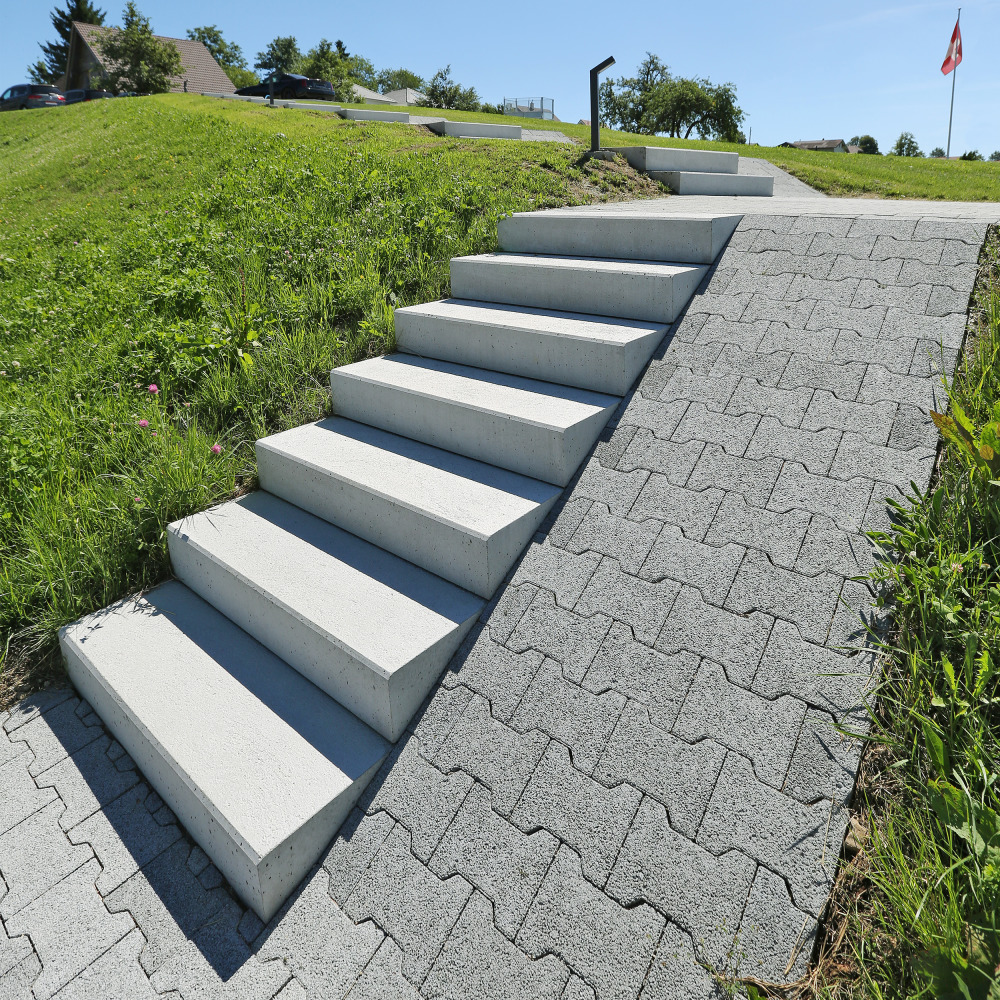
pixel 259 765
pixel 697 182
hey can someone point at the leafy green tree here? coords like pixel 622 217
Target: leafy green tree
pixel 995 156
pixel 323 63
pixel 134 59
pixel 444 92
pixel 56 54
pixel 972 154
pixel 906 145
pixel 282 55
pixel 227 54
pixel 654 101
pixel 396 79
pixel 866 144
pixel 362 71
pixel 937 152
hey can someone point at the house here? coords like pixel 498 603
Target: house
pixel 200 72
pixel 365 96
pixel 822 145
pixel 406 95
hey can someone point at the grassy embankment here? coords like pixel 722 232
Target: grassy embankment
pixel 230 256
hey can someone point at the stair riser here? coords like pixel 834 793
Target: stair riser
pixel 624 294
pixel 475 130
pixel 531 449
pixel 476 563
pixel 692 241
pixel 599 366
pixel 742 185
pixel 357 115
pixel 649 158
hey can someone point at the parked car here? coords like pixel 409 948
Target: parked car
pixel 290 86
pixel 76 96
pixel 31 95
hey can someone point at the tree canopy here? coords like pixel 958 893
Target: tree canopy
pixel 282 55
pixel 906 145
pixel 444 92
pixel 654 102
pixel 398 79
pixel 937 152
pixel 134 59
pixel 972 154
pixel 56 54
pixel 866 144
pixel 995 156
pixel 227 54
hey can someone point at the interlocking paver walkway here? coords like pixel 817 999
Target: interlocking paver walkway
pixel 632 766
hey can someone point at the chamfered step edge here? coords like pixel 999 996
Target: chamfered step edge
pixel 370 629
pixel 259 765
pixel 462 519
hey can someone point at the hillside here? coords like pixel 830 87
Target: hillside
pixel 176 274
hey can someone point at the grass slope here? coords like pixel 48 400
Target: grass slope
pixel 229 255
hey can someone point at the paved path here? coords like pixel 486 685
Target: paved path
pixel 633 761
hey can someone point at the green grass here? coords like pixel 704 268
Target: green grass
pixel 836 174
pixel 231 255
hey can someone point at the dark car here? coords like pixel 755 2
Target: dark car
pixel 76 96
pixel 31 95
pixel 289 86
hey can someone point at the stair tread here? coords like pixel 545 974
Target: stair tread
pixel 611 265
pixel 547 322
pixel 263 747
pixel 340 586
pixel 478 498
pixel 512 396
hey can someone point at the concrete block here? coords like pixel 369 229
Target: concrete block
pixel 843 380
pixel 648 158
pixel 959 277
pixel 927 251
pixel 17 983
pixel 912 299
pixel 701 424
pixel 744 333
pixel 691 182
pixel 35 705
pixel 626 541
pixel 880 386
pixel 659 416
pixel 686 384
pixel 691 510
pixel 57 734
pixel 503 863
pixel 362 115
pixel 828 549
pixel 352 850
pixel 767 369
pixel 535 428
pixel 844 292
pixel 570 348
pixel 615 489
pixel 656 291
pixel 475 130
pixel 885 272
pixel 697 239
pixel 911 428
pixel 677 774
pixel 943 301
pixel 697 891
pixel 462 519
pixel 780 535
pixel 478 961
pixel 310 757
pixel 609 946
pixel 319 598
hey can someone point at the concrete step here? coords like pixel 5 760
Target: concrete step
pixel 538 429
pixel 475 130
pixel 649 158
pixel 696 239
pixel 592 352
pixel 259 765
pixel 371 630
pixel 688 182
pixel 461 519
pixel 359 115
pixel 627 289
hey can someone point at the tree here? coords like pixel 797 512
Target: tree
pixel 323 63
pixel 906 145
pixel 655 101
pixel 443 92
pixel 865 144
pixel 227 54
pixel 937 152
pixel 995 156
pixel 56 54
pixel 972 154
pixel 398 79
pixel 282 55
pixel 134 59
pixel 362 71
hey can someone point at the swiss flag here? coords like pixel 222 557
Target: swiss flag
pixel 954 56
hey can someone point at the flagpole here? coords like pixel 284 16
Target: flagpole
pixel 951 113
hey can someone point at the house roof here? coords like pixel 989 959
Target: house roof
pixel 371 96
pixel 405 95
pixel 200 69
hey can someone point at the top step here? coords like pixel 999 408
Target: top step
pixel 363 115
pixel 475 130
pixel 670 158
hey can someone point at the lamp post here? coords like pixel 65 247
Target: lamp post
pixel 595 128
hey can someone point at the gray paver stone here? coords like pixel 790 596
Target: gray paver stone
pixel 493 753
pixel 779 534
pixel 885 272
pixel 35 705
pixel 568 517
pixel 496 857
pixel 691 510
pixel 825 760
pixel 418 795
pixel 445 708
pixel 13 951
pixel 844 502
pixel 746 333
pixel 880 385
pixel 913 298
pixel 948 331
pixel 382 978
pixel 678 774
pixel 912 428
pixel 752 478
pixel 562 572
pixel 843 380
pixel 702 424
pixel 610 947
pixel 766 273
pixel 830 316
pixel 711 569
pixel 116 975
pixel 951 229
pixel 409 902
pixel 659 416
pixel 928 251
pixel 842 292
pixel 828 549
pixel 832 224
pixel 730 307
pixel 931 360
pixel 813 449
pixel 505 612
pixel 894 355
pixel 824 244
pixel 478 961
pixel 944 300
pixel 735 641
pixel 695 388
pixel 627 541
pixel 900 229
pixel 577 989
pixel 770 240
pixel 800 842
pixel 765 731
pixel 34 856
pixel 56 734
pixel 872 421
pixel 794 312
pixel 670 459
pixel 767 369
pixel 960 277
pixel 628 599
pixel 352 850
pixel 581 812
pixel 788 405
pixel 856 457
pixel 700 892
pixel 675 972
pixel 17 983
pixel 654 679
pixel 69 928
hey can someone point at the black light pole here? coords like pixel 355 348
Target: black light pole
pixel 595 128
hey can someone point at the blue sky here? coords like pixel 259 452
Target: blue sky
pixel 801 71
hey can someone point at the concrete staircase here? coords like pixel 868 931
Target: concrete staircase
pixel 260 691
pixel 696 171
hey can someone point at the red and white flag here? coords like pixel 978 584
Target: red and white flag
pixel 954 56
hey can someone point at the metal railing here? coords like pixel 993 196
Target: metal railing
pixel 529 107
